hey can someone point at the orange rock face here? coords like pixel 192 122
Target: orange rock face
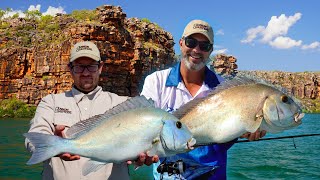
pixel 34 69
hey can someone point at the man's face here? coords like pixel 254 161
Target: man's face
pixel 194 58
pixel 85 73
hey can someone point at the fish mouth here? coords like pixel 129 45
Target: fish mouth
pixel 298 116
pixel 191 143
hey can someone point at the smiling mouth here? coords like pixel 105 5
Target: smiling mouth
pixel 195 56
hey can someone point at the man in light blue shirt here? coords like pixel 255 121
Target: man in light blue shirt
pixel 188 80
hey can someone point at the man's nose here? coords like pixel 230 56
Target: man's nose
pixel 197 48
pixel 86 71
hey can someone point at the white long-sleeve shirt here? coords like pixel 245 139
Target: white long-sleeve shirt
pixel 67 109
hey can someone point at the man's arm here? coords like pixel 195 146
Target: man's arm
pixel 42 122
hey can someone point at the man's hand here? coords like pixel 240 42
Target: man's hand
pixel 143 158
pixel 65 156
pixel 254 136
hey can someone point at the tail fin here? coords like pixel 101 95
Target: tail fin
pixel 46 146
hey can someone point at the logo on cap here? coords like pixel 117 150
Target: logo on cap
pixel 200 26
pixel 80 48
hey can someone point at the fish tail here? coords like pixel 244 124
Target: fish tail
pixel 46 146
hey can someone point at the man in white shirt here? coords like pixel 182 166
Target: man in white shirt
pixel 190 79
pixel 57 112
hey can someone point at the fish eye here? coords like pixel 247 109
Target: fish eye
pixel 178 124
pixel 284 98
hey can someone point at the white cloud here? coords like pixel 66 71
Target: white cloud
pixel 34 8
pixel 252 33
pixel 274 33
pixel 53 11
pixel 284 42
pixel 278 26
pixel 50 11
pixel 313 45
pixel 220 51
pixel 220 32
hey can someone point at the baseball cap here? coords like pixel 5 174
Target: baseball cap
pixel 198 26
pixel 85 49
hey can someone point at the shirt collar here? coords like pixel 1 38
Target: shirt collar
pixel 78 95
pixel 174 77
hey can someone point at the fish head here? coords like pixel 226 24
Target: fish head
pixel 281 112
pixel 175 136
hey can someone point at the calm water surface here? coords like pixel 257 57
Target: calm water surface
pixel 276 159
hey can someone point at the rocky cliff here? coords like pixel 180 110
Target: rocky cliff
pixel 34 54
pixel 34 57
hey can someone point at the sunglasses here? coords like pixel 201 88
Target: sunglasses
pixel 192 43
pixel 80 68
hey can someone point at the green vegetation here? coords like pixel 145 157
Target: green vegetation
pixel 44 21
pixel 45 77
pixel 16 15
pixel 33 14
pixel 2 12
pixel 311 106
pixel 148 45
pixel 15 108
pixel 4 25
pixel 145 20
pixel 82 15
pixel 34 29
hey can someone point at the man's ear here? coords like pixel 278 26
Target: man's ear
pixel 69 66
pixel 180 42
pixel 101 65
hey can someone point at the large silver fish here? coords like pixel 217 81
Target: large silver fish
pixel 238 106
pixel 119 135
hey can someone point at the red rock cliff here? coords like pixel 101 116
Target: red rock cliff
pixel 33 62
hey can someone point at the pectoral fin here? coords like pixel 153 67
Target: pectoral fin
pixel 253 126
pixel 154 148
pixel 92 166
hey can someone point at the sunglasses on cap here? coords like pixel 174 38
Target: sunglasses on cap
pixel 192 43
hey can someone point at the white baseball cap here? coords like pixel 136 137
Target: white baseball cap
pixel 198 26
pixel 85 49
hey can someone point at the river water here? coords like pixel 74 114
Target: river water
pixel 297 158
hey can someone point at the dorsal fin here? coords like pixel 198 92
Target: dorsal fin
pixel 227 84
pixel 84 126
pixel 231 83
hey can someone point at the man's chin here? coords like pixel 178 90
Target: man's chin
pixel 196 67
pixel 87 87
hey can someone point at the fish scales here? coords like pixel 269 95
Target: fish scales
pixel 118 135
pixel 239 106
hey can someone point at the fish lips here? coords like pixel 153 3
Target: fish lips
pixel 298 117
pixel 191 143
pixel 295 119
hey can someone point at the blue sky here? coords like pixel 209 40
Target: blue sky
pixel 263 35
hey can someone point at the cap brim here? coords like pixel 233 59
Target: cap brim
pixel 205 34
pixel 96 58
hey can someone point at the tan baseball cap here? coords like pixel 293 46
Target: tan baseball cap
pixel 198 26
pixel 85 49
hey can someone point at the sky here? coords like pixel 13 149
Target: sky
pixel 269 35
